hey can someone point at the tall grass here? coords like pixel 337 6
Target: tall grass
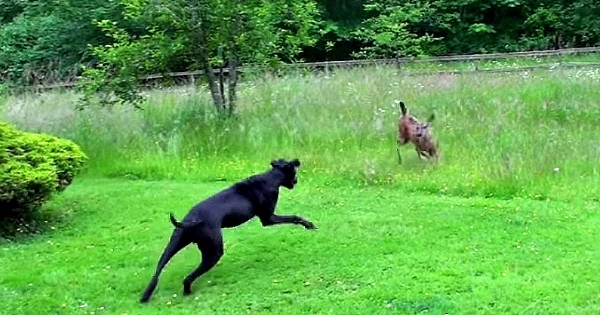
pixel 504 135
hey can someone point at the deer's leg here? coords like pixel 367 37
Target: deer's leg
pixel 421 154
pixel 399 157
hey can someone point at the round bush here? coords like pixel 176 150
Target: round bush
pixel 33 167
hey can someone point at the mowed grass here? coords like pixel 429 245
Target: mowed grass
pixel 504 224
pixel 377 251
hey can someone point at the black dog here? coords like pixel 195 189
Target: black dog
pixel 237 204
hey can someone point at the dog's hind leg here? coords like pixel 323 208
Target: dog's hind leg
pixel 211 248
pixel 177 242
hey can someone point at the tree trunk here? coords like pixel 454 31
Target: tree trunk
pixel 233 63
pixel 222 86
pixel 209 74
pixel 233 78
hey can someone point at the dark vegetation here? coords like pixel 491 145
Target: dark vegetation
pixel 49 40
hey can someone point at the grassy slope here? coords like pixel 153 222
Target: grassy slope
pixel 377 250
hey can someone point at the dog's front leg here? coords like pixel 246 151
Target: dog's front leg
pixel 287 219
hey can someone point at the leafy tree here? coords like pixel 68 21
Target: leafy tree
pixel 481 26
pixel 9 9
pixel 43 40
pixel 387 32
pixel 558 23
pixel 339 19
pixel 208 33
pixel 46 40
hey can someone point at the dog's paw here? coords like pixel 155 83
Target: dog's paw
pixel 310 226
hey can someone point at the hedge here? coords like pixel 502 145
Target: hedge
pixel 33 166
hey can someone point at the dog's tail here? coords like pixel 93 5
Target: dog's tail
pixel 182 224
pixel 403 108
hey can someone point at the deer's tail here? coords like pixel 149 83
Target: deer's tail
pixel 403 108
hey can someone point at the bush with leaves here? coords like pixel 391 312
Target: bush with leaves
pixel 46 41
pixel 32 167
pixel 387 33
pixel 206 34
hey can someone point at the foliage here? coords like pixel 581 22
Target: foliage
pixel 387 33
pixel 482 26
pixel 45 41
pixel 9 9
pixel 563 23
pixel 33 167
pixel 123 63
pixel 230 32
pixel 28 44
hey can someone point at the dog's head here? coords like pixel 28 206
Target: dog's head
pixel 289 169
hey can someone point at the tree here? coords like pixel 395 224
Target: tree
pixel 208 33
pixel 47 40
pixel 387 32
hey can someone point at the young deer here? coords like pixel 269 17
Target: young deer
pixel 412 130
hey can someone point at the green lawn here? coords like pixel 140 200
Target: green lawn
pixel 506 223
pixel 377 251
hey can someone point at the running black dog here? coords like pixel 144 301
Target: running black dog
pixel 233 206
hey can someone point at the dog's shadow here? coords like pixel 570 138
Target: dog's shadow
pixel 248 253
pixel 263 248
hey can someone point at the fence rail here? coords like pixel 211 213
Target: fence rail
pixel 591 65
pixel 353 63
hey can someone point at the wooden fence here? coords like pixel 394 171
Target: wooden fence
pixel 191 75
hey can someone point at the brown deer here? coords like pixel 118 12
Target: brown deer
pixel 410 129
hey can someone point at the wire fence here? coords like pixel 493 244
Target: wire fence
pixel 190 76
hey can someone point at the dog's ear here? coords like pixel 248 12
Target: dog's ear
pixel 295 162
pixel 279 163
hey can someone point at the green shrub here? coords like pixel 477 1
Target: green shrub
pixel 24 188
pixel 32 168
